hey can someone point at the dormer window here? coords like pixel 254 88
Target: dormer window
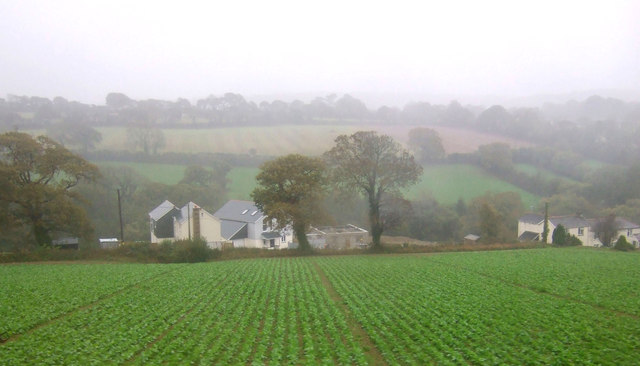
pixel 244 212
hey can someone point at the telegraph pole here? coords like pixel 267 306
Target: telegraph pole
pixel 120 214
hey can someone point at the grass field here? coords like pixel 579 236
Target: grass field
pixel 546 174
pixel 159 173
pixel 448 183
pixel 543 306
pixel 286 139
pixel 242 181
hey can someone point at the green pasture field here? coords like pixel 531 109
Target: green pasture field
pixel 159 173
pixel 540 306
pixel 448 183
pixel 242 181
pixel 546 174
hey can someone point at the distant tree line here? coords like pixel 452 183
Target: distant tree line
pixel 606 129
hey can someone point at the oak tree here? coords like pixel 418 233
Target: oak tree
pixel 375 166
pixel 290 189
pixel 38 175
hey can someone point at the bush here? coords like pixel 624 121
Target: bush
pixel 562 238
pixel 191 251
pixel 622 244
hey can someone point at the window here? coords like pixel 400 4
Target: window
pixel 629 232
pixel 580 231
pixel 264 225
pixel 284 238
pixel 254 213
pixel 244 212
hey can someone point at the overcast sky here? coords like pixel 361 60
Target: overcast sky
pixel 82 50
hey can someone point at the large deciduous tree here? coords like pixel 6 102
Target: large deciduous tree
pixel 606 229
pixel 426 144
pixel 38 175
pixel 146 136
pixel 78 135
pixel 290 189
pixel 375 166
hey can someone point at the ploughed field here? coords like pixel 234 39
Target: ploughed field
pixel 543 306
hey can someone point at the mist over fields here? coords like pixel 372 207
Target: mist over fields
pixel 513 104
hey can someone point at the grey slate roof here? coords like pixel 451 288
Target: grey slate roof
pixel 569 222
pixel 233 211
pixel 164 208
pixel 233 229
pixel 532 218
pixel 625 224
pixel 529 236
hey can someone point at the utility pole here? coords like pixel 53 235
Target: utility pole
pixel 120 214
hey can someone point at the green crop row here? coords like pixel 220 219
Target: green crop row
pixel 242 312
pixel 512 307
pixel 607 279
pixel 419 311
pixel 34 294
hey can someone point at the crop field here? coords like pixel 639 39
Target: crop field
pixel 543 306
pixel 286 139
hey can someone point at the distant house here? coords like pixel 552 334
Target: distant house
pixel 471 239
pixel 247 227
pixel 337 237
pixel 66 243
pixel 624 227
pixel 109 243
pixel 168 222
pixel 530 227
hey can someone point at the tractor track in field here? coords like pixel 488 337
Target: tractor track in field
pixel 372 353
pixel 89 305
pixel 182 317
pixel 546 293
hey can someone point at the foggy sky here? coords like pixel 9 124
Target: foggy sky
pixel 82 50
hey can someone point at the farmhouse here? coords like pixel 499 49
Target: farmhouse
pixel 337 237
pixel 167 222
pixel 247 227
pixel 531 226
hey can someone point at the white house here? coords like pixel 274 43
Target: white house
pixel 624 227
pixel 530 227
pixel 167 222
pixel 247 227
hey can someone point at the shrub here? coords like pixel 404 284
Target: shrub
pixel 191 251
pixel 561 237
pixel 623 244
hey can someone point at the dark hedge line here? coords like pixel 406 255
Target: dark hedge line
pixel 204 159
